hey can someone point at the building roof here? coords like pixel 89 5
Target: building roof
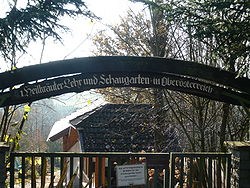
pixel 117 128
pixel 63 126
pixel 105 127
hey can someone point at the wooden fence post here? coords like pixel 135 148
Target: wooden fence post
pixel 3 149
pixel 240 163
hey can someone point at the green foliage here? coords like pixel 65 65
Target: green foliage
pixel 38 19
pixel 227 23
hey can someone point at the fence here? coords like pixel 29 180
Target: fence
pixel 200 170
pixel 192 170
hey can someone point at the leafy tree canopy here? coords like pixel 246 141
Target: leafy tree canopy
pixel 37 19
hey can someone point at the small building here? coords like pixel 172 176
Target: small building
pixel 105 127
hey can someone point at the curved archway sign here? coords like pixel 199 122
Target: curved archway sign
pixel 76 75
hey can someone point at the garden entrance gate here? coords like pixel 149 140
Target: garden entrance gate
pixel 36 82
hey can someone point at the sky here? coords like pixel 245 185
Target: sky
pixel 76 43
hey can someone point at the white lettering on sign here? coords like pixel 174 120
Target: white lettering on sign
pixel 126 81
pixel 102 80
pixel 128 175
pixel 166 81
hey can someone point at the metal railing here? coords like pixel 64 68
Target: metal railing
pixel 64 169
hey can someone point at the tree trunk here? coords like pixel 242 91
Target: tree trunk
pixel 225 116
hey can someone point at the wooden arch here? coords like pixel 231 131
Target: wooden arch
pixel 40 81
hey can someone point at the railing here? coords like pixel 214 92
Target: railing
pixel 200 170
pixel 98 169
